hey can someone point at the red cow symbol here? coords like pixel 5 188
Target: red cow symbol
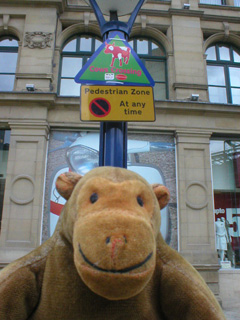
pixel 118 53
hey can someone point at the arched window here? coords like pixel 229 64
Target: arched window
pixel 8 63
pixel 223 71
pixel 75 54
pixel 153 57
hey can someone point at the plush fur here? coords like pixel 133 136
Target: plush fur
pixel 106 259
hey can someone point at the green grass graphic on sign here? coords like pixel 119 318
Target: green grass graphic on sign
pixel 115 61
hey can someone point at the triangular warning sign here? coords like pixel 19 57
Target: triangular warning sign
pixel 115 62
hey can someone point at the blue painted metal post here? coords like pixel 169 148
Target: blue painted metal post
pixel 113 135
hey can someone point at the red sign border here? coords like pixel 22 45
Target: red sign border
pixel 98 116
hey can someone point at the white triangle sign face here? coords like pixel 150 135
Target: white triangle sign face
pixel 115 62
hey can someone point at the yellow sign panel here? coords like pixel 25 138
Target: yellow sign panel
pixel 117 103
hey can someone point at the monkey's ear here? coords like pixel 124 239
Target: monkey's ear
pixel 66 182
pixel 162 193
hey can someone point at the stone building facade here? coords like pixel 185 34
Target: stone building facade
pixel 196 46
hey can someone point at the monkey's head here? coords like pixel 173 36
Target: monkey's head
pixel 112 217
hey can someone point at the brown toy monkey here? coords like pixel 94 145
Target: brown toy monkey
pixel 106 259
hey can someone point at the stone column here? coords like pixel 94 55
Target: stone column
pixel 190 69
pixel 195 204
pixel 23 199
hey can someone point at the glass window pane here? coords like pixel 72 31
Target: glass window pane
pixel 215 2
pixel 141 159
pixel 156 69
pixel 6 82
pixel 69 88
pixel 70 46
pixel 216 75
pixel 4 147
pixel 85 44
pixel 224 53
pixel 97 44
pixel 8 62
pixel 225 156
pixel 218 95
pixel 142 46
pixel 235 96
pixel 211 53
pixel 8 43
pixel 160 91
pixel 131 43
pixel 234 74
pixel 71 66
pixel 236 56
pixel 157 51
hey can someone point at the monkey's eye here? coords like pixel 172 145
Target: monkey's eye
pixel 94 197
pixel 140 201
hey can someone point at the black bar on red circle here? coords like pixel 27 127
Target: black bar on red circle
pixel 100 107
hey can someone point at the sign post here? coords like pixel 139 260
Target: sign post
pixel 116 86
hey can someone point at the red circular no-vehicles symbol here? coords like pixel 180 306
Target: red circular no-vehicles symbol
pixel 100 107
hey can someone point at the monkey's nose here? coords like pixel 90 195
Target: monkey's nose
pixel 116 243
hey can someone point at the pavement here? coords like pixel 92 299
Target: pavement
pixel 233 314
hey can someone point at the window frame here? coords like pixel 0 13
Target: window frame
pixel 150 57
pixel 9 49
pixel 5 135
pixel 85 55
pixel 226 64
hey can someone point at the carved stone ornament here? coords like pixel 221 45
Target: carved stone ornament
pixel 37 39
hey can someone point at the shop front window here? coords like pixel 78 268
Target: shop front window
pixel 225 155
pixel 4 147
pixel 151 156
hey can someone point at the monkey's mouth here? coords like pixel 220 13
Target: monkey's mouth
pixel 124 270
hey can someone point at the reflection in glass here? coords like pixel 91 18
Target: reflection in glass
pixel 147 156
pixel 131 43
pixel 97 44
pixel 234 76
pixel 217 94
pixel 8 62
pixel 156 50
pixel 159 91
pixel 236 56
pixel 224 53
pixel 71 66
pixel 85 44
pixel 4 147
pixel 70 46
pixel 6 82
pixel 156 69
pixel 211 53
pixel 74 56
pixel 8 43
pixel 214 2
pixel 225 157
pixel 235 96
pixel 142 46
pixel 69 88
pixel 215 75
pixel 237 3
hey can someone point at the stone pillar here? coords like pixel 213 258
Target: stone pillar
pixel 35 65
pixel 23 199
pixel 195 204
pixel 190 68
